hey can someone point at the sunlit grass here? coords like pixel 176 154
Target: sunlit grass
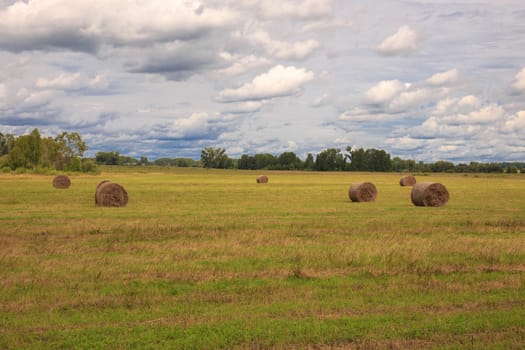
pixel 210 259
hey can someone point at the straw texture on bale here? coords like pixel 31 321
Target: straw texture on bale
pixel 61 181
pixel 407 180
pixel 110 194
pixel 96 189
pixel 100 183
pixel 429 194
pixel 262 179
pixel 362 192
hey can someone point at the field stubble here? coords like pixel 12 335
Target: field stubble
pixel 211 259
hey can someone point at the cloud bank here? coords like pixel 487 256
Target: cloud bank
pixel 420 79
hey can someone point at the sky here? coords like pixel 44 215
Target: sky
pixel 422 79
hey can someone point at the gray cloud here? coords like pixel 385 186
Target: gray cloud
pixel 176 62
pixel 80 26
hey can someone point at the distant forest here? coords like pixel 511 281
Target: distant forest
pixel 331 159
pixel 65 153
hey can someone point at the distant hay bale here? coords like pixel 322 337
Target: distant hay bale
pixel 407 180
pixel 262 179
pixel 110 194
pixel 61 181
pixel 362 192
pixel 429 194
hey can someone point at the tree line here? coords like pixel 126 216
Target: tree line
pixel 331 159
pixel 39 154
pixel 66 150
pixel 351 159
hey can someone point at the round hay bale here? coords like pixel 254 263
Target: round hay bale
pixel 61 181
pixel 100 183
pixel 110 194
pixel 262 179
pixel 407 180
pixel 362 192
pixel 429 194
pixel 96 189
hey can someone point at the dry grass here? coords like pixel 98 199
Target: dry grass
pixel 200 260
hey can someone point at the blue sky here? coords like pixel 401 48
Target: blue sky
pixel 425 80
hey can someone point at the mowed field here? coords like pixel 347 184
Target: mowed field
pixel 203 259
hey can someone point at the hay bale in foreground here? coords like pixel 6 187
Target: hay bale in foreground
pixel 96 189
pixel 262 179
pixel 407 180
pixel 362 192
pixel 429 194
pixel 61 181
pixel 100 183
pixel 110 194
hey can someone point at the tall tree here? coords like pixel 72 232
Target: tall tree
pixel 309 163
pixel 72 147
pixel 330 159
pixel 107 158
pixel 26 151
pixel 4 144
pixel 378 160
pixel 359 160
pixel 264 160
pixel 73 144
pixel 51 155
pixel 34 150
pixel 215 158
pixel 289 161
pixel 246 162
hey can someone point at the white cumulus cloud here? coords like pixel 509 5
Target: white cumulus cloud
pixel 405 143
pixel 284 50
pixel 245 107
pixel 72 81
pixel 437 128
pixel 469 101
pixel 196 123
pixel 519 80
pixel 444 78
pixel 488 114
pixel 321 100
pixel 404 41
pixel 239 64
pixel 409 99
pixel 306 9
pixel 515 123
pixel 277 82
pixel 457 105
pixel 384 91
